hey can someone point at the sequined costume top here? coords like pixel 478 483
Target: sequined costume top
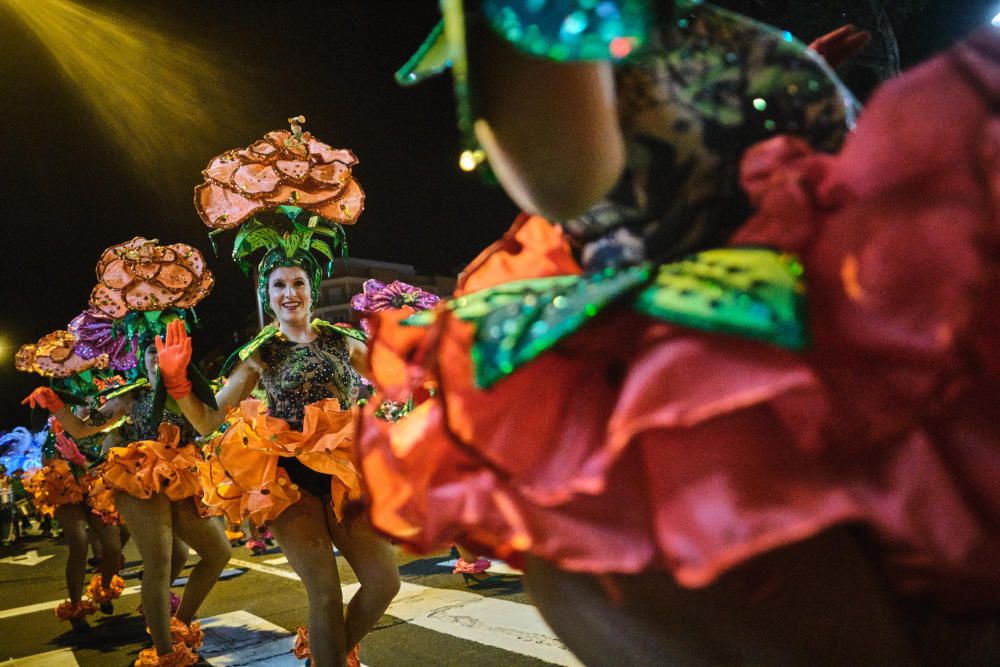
pixel 713 85
pixel 297 374
pixel 140 427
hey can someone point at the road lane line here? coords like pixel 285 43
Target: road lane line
pixel 62 658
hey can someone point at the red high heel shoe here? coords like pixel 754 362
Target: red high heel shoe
pixel 470 571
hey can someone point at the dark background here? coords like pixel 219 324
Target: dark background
pixel 68 190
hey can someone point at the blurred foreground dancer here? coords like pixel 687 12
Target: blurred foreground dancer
pixel 637 403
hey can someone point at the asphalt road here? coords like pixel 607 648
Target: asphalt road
pixel 251 615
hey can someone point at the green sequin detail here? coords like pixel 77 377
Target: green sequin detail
pixel 571 30
pixel 754 293
pixel 750 292
pixel 518 321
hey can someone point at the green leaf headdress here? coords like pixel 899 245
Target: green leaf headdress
pixel 292 194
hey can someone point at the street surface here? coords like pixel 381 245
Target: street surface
pixel 251 615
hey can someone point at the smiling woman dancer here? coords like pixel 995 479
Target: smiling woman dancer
pixel 636 402
pixel 146 286
pixel 291 464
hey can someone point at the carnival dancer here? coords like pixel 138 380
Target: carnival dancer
pixel 65 486
pixel 637 404
pixel 142 288
pixel 291 465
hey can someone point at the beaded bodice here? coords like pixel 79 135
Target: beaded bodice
pixel 139 425
pixel 689 107
pixel 297 374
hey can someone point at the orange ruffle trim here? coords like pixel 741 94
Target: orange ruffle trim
pixel 191 635
pixel 180 656
pixel 68 610
pixel 154 466
pixel 54 485
pixel 96 591
pixel 301 647
pixel 240 474
pixel 101 499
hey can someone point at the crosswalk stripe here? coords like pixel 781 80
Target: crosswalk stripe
pixel 511 626
pixel 129 590
pixel 240 638
pixel 62 658
pixel 50 605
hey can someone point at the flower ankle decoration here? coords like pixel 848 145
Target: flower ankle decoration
pixel 70 610
pixel 190 635
pixel 180 656
pixel 96 591
pixel 301 647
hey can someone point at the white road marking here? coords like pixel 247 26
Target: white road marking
pixel 225 574
pixel 31 559
pixel 62 658
pixel 129 590
pixel 511 626
pixel 240 638
pixel 498 567
pixel 281 560
pixel 52 604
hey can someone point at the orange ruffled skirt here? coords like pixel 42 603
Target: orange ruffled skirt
pixel 53 485
pixel 146 467
pixel 638 445
pixel 241 476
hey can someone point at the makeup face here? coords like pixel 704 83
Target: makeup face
pixel 150 361
pixel 289 294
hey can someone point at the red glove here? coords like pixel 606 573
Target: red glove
pixel 841 45
pixel 44 397
pixel 173 358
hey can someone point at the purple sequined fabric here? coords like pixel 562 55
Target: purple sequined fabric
pixel 94 334
pixel 377 296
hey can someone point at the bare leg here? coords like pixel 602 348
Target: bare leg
pixel 151 523
pixel 301 531
pixel 111 549
pixel 814 603
pixel 207 537
pixel 370 556
pixel 178 558
pixel 73 519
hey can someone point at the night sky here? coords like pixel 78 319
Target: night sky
pixel 69 189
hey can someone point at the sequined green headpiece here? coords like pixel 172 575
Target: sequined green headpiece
pixel 290 236
pixel 561 30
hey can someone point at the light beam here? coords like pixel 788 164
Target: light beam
pixel 155 95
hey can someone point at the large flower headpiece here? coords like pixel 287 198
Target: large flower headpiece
pixel 55 356
pixel 291 193
pixel 286 167
pixel 141 276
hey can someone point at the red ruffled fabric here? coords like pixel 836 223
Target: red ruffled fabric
pixel 637 445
